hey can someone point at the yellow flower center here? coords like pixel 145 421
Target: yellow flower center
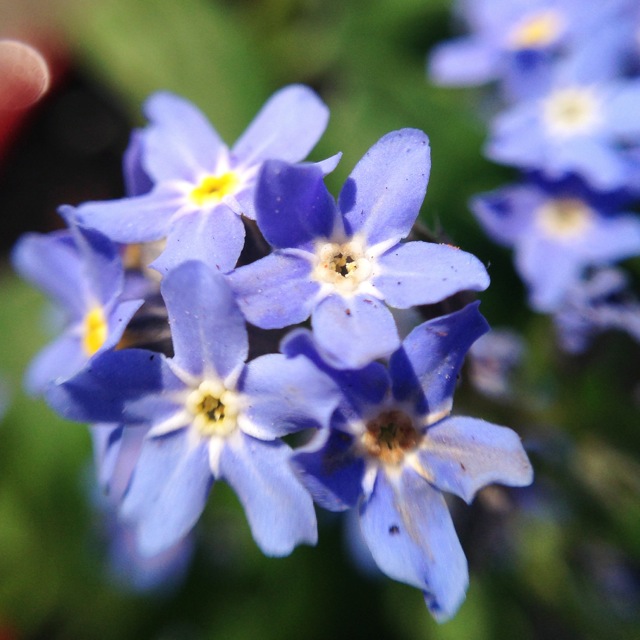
pixel 214 408
pixel 535 31
pixel 565 217
pixel 342 265
pixel 212 189
pixel 571 111
pixel 95 331
pixel 389 436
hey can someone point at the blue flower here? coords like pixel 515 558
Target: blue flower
pixel 557 231
pixel 601 302
pixel 81 271
pixel 516 42
pixel 583 123
pixel 209 416
pixel 343 264
pixel 201 188
pixel 393 448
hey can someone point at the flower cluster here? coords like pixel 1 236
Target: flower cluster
pixel 177 296
pixel 568 75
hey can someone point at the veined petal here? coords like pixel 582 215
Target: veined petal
pixel 140 219
pixel 352 332
pixel 427 366
pixel 275 291
pixel 462 455
pixel 168 490
pixel 215 237
pixel 180 143
pixel 382 196
pixel 412 539
pixel 416 273
pixel 286 128
pixel 279 510
pixel 330 470
pixel 286 395
pixel 207 328
pixel 293 206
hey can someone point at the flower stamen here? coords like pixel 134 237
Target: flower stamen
pixel 389 436
pixel 212 189
pixel 214 408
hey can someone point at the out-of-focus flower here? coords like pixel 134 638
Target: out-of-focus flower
pixel 492 360
pixel 393 448
pixel 583 123
pixel 343 264
pixel 557 231
pixel 517 42
pixel 599 303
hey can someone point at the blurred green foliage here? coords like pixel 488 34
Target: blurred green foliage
pixel 560 560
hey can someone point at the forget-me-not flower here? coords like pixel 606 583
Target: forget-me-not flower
pixel 557 231
pixel 343 263
pixel 81 272
pixel 393 448
pixel 209 416
pixel 201 187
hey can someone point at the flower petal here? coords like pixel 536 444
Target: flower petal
pixel 382 196
pixel 201 309
pixel 168 490
pixel 279 510
pixel 463 455
pixel 132 386
pixel 286 128
pixel 286 395
pixel 352 332
pixel 416 273
pixel 330 470
pixel 214 237
pixel 293 206
pixel 275 291
pixel 140 219
pixel 427 366
pixel 409 531
pixel 180 143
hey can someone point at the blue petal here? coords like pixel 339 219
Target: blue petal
pixel 131 386
pixel 465 61
pixel 141 219
pixel 168 490
pixel 427 366
pixel 286 128
pixel 276 291
pixel 179 143
pixel 423 273
pixel 136 180
pixel 214 237
pixel 201 309
pixel 106 438
pixel 330 470
pixel 293 206
pixel 382 196
pixel 352 332
pixel 463 455
pixel 361 388
pixel 279 510
pixel 101 264
pixel 53 264
pixel 57 361
pixel 286 395
pixel 409 531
